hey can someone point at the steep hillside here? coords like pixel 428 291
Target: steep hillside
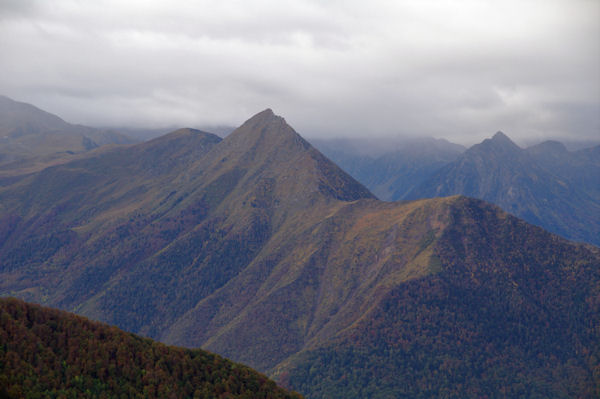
pixel 555 190
pixel 257 247
pixel 512 312
pixel 104 234
pixel 313 280
pixel 31 138
pixel 49 353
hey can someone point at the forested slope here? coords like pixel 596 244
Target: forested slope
pixel 50 353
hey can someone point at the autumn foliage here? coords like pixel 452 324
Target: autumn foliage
pixel 50 353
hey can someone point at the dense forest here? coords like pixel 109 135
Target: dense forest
pixel 47 353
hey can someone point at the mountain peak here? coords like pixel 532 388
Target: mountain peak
pixel 499 142
pixel 266 131
pixel 266 146
pixel 500 137
pixel 267 111
pixel 265 116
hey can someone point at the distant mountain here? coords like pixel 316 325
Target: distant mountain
pixel 559 192
pixel 580 168
pixel 28 133
pixel 390 168
pixel 144 134
pixel 545 185
pixel 49 353
pixel 259 248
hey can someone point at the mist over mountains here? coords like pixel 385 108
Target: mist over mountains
pixel 390 169
pixel 544 184
pixel 261 249
pixel 30 136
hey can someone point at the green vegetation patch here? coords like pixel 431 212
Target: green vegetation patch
pixel 46 353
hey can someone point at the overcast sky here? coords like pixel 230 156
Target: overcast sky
pixel 455 69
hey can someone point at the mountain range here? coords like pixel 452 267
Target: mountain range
pixel 259 248
pixel 544 184
pixel 31 137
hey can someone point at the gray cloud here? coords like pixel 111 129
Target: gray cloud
pixel 460 70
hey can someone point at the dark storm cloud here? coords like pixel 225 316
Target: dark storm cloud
pixel 461 70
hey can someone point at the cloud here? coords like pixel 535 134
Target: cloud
pixel 460 70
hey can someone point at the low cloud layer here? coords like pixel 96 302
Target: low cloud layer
pixel 460 70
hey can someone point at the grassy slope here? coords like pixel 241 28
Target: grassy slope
pixel 302 292
pixel 513 313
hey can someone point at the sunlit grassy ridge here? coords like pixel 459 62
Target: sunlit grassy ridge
pixel 512 311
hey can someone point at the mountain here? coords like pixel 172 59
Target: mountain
pixel 29 134
pixel 506 315
pixel 545 185
pixel 390 168
pixel 580 168
pixel 259 248
pixel 103 234
pixel 51 353
pixel 548 185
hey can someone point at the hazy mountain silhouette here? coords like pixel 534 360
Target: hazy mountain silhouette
pixel 28 133
pixel 545 184
pixel 390 168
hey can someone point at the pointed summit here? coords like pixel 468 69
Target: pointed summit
pixel 265 146
pixel 264 139
pixel 265 131
pixel 502 139
pixel 500 143
pixel 266 112
pixel 263 117
pixel 500 136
